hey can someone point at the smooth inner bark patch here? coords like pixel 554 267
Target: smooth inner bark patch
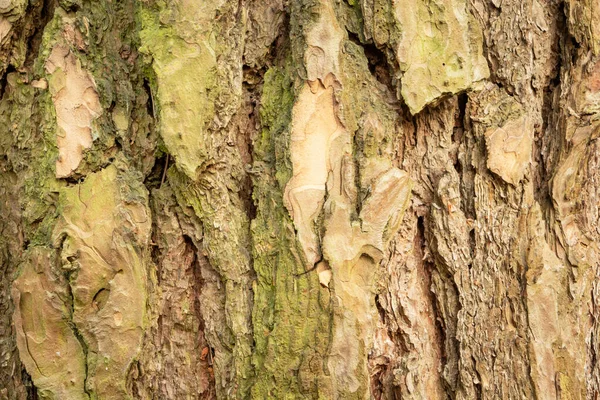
pixel 77 105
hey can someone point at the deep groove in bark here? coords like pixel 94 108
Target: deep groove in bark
pixel 428 267
pixel 468 170
pixel 155 177
pixel 458 133
pixel 150 103
pixel 44 15
pixel 377 62
pixel 4 79
pixel 75 330
pixel 198 283
pixel 545 151
pixel 252 85
pixel 29 386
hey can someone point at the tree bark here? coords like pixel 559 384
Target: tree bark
pixel 323 199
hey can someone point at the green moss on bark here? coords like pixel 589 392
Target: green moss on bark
pixel 292 312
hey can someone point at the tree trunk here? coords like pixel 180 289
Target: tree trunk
pixel 322 199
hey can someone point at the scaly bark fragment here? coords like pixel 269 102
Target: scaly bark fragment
pixel 175 361
pixel 343 239
pixel 48 344
pixel 190 56
pixel 106 289
pixel 439 50
pixel 437 46
pixel 77 105
pixel 488 290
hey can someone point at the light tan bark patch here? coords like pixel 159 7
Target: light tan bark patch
pixel 314 128
pixel 77 105
pixel 47 345
pixel 325 273
pixel 5 28
pixel 440 50
pixel 102 232
pixel 557 321
pixel 324 40
pixel 509 149
pixel 354 250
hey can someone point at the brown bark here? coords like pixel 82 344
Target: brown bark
pixel 299 199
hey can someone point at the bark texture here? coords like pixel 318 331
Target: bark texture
pixel 321 199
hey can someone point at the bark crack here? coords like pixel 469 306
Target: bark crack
pixel 44 15
pixel 76 333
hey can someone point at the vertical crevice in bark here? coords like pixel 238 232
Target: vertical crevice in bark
pixel 464 163
pixel 206 351
pixel 154 179
pixel 380 67
pixel 4 79
pixel 150 107
pixel 22 26
pixel 248 127
pixel 32 393
pixel 548 142
pixel 41 16
pixel 175 359
pixel 80 339
pixel 440 341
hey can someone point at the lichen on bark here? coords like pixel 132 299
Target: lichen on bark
pixel 303 199
pixel 437 46
pixel 322 199
pixel 291 309
pixel 189 56
pixel 105 294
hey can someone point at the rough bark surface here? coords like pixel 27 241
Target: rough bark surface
pixel 322 199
